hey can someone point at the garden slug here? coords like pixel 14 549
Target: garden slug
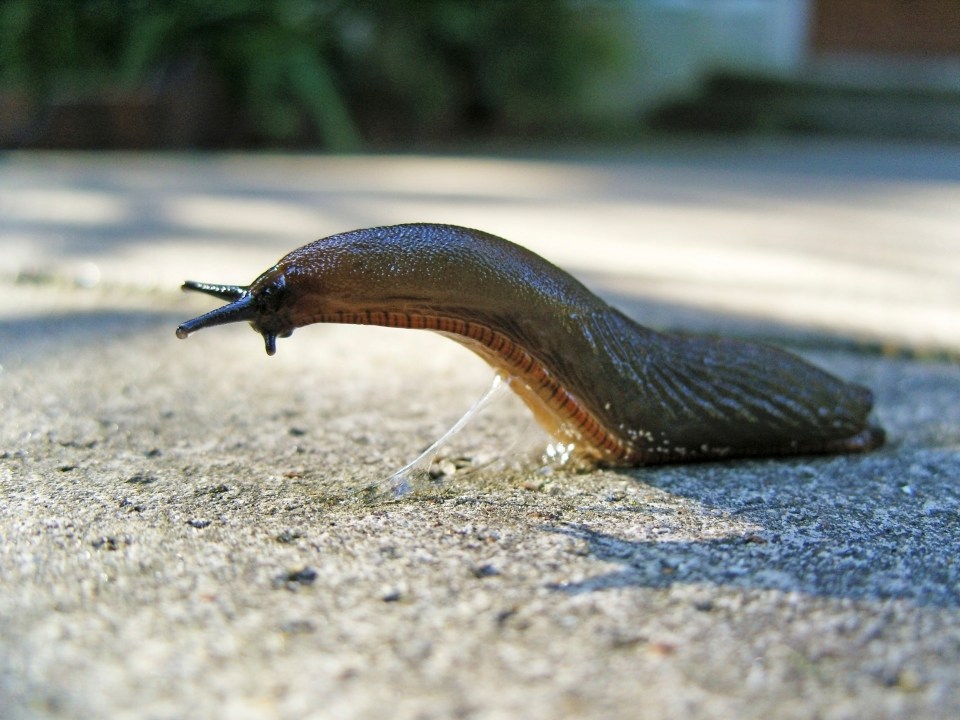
pixel 621 393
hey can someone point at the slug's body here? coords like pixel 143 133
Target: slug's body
pixel 621 393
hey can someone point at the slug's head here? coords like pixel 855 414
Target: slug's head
pixel 265 305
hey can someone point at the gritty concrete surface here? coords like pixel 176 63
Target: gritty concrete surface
pixel 182 524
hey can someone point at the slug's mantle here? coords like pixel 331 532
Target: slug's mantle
pixel 621 393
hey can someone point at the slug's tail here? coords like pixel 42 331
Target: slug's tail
pixel 870 438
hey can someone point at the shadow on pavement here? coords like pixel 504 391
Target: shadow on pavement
pixel 873 527
pixel 25 337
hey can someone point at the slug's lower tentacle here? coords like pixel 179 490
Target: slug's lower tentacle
pixel 622 393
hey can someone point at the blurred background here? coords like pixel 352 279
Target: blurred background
pixel 436 74
pixel 787 160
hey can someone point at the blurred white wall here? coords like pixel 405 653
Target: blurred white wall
pixel 676 43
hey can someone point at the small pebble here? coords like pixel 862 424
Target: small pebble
pixel 485 571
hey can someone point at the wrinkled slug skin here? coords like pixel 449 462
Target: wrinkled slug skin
pixel 623 393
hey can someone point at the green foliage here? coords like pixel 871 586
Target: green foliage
pixel 272 55
pixel 444 66
pixel 408 69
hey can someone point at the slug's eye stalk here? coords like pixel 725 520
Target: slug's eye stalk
pixel 262 308
pixel 224 292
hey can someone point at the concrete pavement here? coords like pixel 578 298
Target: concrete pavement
pixel 180 527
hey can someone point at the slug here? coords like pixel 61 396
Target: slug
pixel 621 393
